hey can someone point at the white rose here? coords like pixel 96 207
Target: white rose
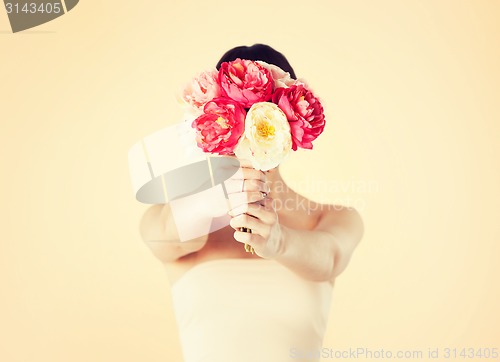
pixel 267 139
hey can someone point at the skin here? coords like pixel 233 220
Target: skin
pixel 314 240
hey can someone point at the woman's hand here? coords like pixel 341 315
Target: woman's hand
pixel 252 208
pixel 319 254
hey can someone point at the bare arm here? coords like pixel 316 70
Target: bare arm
pixel 323 253
pixel 159 232
pixel 320 254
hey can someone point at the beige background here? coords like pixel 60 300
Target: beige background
pixel 411 90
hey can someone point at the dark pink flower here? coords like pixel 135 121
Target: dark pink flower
pixel 246 82
pixel 304 112
pixel 220 127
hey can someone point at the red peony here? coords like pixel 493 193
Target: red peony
pixel 246 82
pixel 304 112
pixel 219 129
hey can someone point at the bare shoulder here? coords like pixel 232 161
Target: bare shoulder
pixel 151 222
pixel 159 232
pixel 341 220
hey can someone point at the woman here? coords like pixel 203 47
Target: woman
pixel 270 305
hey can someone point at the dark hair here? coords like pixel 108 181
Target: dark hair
pixel 258 52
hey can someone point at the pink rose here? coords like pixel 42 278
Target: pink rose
pixel 202 89
pixel 304 112
pixel 246 82
pixel 220 127
pixel 280 77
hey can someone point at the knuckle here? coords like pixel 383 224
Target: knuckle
pixel 250 184
pixel 247 197
pixel 258 196
pixel 244 237
pixel 248 208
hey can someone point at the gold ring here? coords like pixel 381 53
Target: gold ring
pixel 249 249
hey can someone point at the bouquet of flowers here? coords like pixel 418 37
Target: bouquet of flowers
pixel 253 110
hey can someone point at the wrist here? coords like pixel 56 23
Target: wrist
pixel 282 242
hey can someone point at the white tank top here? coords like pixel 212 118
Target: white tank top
pixel 239 310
